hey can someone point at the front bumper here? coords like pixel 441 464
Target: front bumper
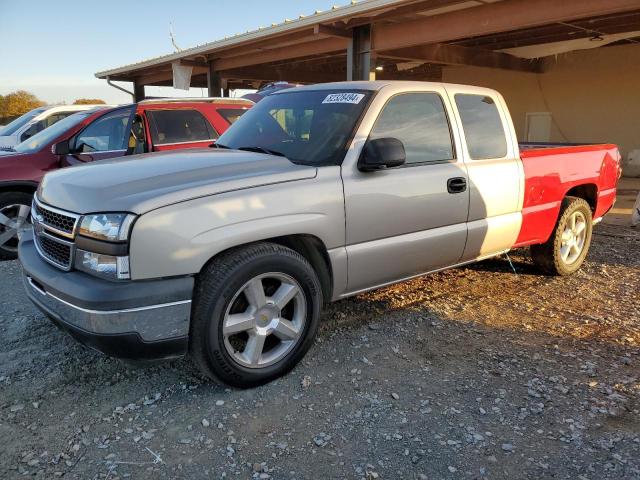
pixel 137 320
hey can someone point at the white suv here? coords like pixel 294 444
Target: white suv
pixel 35 121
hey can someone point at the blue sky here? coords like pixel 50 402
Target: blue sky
pixel 52 48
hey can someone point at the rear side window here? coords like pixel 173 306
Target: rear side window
pixel 231 114
pixel 482 126
pixel 55 118
pixel 420 122
pixel 42 124
pixel 178 126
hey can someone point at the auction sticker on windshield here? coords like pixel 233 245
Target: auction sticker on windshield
pixel 354 98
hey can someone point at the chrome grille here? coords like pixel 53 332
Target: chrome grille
pixel 54 231
pixel 55 251
pixel 61 222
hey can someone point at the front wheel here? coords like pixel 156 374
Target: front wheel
pixel 566 249
pixel 15 209
pixel 256 312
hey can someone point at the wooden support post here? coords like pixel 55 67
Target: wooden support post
pixel 138 92
pixel 360 57
pixel 214 82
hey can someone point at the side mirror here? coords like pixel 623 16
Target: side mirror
pixel 61 148
pixel 382 153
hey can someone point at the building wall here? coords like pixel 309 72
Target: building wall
pixel 593 95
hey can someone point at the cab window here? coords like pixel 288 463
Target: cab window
pixel 482 126
pixel 420 122
pixel 179 126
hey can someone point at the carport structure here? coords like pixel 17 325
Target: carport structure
pixel 484 42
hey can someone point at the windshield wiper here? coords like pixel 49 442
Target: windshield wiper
pixel 268 151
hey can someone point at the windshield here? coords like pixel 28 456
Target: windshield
pixel 20 121
pixel 48 135
pixel 308 127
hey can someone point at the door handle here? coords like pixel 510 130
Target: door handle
pixel 457 185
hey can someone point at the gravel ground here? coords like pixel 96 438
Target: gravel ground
pixel 471 373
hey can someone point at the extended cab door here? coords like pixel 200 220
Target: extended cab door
pixel 496 178
pixel 176 128
pixel 401 222
pixel 106 137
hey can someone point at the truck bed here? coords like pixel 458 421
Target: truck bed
pixel 552 171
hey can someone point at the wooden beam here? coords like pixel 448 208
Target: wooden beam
pixel 497 17
pixel 193 63
pixel 399 11
pixel 273 74
pixel 154 78
pixel 317 47
pixel 557 32
pixel 458 55
pixel 162 75
pixel 331 31
pixel 278 41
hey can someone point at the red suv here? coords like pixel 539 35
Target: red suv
pixel 147 126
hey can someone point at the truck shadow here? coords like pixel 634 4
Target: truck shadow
pixel 527 303
pixel 517 262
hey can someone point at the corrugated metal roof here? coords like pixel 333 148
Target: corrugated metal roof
pixel 336 13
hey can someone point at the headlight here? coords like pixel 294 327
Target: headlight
pixel 100 259
pixel 110 227
pixel 105 266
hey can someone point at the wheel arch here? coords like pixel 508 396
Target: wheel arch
pixel 18 186
pixel 309 246
pixel 586 191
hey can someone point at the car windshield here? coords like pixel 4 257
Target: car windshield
pixel 310 127
pixel 48 135
pixel 10 128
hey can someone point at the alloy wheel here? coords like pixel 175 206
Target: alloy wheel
pixel 265 320
pixel 13 220
pixel 573 238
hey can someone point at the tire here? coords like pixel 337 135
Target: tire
pixel 556 256
pixel 227 298
pixel 14 215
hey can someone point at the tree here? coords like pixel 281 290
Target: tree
pixel 17 103
pixel 89 101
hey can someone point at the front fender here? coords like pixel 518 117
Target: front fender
pixel 180 239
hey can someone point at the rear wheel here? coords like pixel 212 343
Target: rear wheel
pixel 566 249
pixel 255 315
pixel 15 209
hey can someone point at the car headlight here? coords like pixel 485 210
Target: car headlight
pixel 102 248
pixel 109 267
pixel 110 227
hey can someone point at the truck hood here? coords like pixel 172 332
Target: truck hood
pixel 142 183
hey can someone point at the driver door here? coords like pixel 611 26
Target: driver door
pixel 405 221
pixel 106 137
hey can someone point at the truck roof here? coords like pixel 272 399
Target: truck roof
pixel 376 85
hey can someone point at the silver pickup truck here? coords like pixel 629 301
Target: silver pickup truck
pixel 316 194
